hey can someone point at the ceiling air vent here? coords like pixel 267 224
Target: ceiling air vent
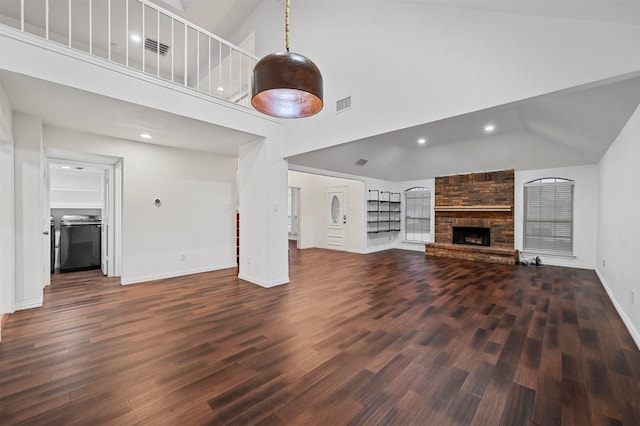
pixel 152 46
pixel 343 104
pixel 361 162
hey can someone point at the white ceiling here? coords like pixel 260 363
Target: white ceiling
pixel 572 127
pixel 221 17
pixel 65 107
pixel 625 12
pixel 567 128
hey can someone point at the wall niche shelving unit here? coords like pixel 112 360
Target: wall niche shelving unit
pixel 383 211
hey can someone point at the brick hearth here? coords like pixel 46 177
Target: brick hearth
pixel 483 200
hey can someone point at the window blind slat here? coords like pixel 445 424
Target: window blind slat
pixel 548 215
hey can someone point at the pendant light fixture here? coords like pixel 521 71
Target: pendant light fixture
pixel 286 84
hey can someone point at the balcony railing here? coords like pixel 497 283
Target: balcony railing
pixel 141 36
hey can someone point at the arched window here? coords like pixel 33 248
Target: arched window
pixel 548 216
pixel 418 214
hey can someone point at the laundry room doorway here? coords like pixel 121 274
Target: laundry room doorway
pixel 84 196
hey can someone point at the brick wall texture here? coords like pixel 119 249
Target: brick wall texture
pixel 476 189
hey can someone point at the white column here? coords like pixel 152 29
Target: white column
pixel 262 181
pixel 7 244
pixel 29 262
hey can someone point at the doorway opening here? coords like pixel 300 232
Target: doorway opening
pixel 293 214
pixel 331 212
pixel 84 200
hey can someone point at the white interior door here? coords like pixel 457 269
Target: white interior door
pixel 336 213
pixel 106 218
pixel 293 213
pixel 116 222
pixel 46 223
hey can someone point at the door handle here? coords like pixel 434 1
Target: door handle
pixel 45 233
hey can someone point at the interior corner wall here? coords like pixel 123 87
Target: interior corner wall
pixel 197 214
pixel 618 226
pixel 28 181
pixel 585 207
pixel 313 218
pixel 7 230
pixel 313 229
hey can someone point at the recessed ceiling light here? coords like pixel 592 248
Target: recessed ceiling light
pixel 136 38
pixel 65 167
pixel 489 128
pixel 422 141
pixel 145 135
pixel 220 89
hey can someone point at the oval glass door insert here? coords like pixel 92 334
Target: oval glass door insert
pixel 335 210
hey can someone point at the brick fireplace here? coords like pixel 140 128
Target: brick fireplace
pixel 474 217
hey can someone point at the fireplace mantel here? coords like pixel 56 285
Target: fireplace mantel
pixel 476 200
pixel 477 208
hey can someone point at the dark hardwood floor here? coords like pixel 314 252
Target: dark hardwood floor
pixel 391 338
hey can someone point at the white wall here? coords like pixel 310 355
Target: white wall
pixel 585 206
pixel 7 247
pixel 262 181
pixel 618 223
pixel 313 211
pixel 197 216
pixel 28 179
pixel 452 61
pixel 585 212
pixel 313 226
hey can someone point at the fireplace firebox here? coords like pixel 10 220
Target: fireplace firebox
pixel 472 236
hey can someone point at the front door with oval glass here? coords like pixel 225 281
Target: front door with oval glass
pixel 336 208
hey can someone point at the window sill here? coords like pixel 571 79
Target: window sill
pixel 416 242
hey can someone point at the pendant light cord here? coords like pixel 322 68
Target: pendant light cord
pixel 286 24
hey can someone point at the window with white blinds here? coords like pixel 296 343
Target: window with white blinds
pixel 418 214
pixel 548 216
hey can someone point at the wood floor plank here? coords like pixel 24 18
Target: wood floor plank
pixel 390 338
pixel 519 408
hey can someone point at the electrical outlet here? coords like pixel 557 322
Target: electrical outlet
pixel 248 261
pixel 604 263
pixel 633 297
pixel 183 257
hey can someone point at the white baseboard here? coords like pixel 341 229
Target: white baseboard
pixel 154 277
pixel 551 260
pixel 625 319
pixel 376 249
pixel 556 262
pixel 29 304
pixel 357 251
pixel 262 283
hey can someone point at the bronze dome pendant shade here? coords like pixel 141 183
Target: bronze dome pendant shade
pixel 287 84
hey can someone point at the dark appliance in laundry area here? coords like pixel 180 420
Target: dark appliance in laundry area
pixel 80 243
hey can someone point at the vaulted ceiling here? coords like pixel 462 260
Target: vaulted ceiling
pixel 574 126
pixel 571 127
